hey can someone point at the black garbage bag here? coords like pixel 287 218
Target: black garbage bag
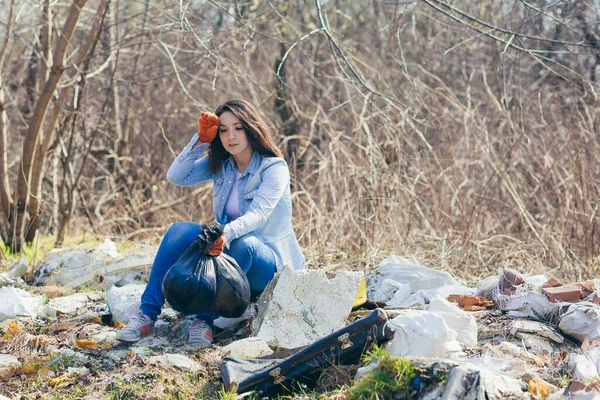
pixel 198 282
pixel 233 289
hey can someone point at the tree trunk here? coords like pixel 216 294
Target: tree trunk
pixel 5 196
pixel 39 166
pixel 43 73
pixel 39 115
pixel 122 142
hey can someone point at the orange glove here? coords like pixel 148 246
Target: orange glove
pixel 208 123
pixel 217 246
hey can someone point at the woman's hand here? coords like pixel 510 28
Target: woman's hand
pixel 217 246
pixel 208 124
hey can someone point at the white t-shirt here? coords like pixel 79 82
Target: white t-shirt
pixel 232 207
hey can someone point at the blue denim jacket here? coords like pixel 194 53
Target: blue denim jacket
pixel 264 199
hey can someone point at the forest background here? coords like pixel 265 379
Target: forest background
pixel 462 133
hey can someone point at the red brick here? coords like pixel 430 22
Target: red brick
pixel 569 293
pixel 552 282
pixel 510 280
pixel 576 386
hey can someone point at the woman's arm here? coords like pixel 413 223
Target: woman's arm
pixel 187 169
pixel 275 178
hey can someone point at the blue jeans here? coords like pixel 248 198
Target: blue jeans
pixel 254 258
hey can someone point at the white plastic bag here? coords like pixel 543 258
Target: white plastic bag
pixel 460 321
pixel 394 271
pixel 581 320
pixel 422 334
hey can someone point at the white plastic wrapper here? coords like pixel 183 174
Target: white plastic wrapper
pixel 124 302
pixel 581 320
pixel 395 271
pixel 462 322
pixel 422 333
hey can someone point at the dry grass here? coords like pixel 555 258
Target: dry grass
pixel 458 149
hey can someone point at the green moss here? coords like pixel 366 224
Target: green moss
pixel 392 376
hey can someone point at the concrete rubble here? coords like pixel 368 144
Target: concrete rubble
pixel 305 306
pixel 511 336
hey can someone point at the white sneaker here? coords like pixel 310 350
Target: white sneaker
pixel 138 326
pixel 200 333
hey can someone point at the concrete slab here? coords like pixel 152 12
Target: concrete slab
pixel 306 306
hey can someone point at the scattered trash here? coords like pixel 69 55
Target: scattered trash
pixel 178 361
pixel 124 302
pixel 305 306
pixel 513 336
pixel 273 375
pixel 96 267
pixel 420 333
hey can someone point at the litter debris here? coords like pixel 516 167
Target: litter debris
pixel 124 302
pixel 247 348
pixel 581 321
pixel 9 366
pixel 420 333
pixel 470 302
pixel 16 302
pixel 306 306
pixel 394 272
pixel 95 267
pixel 178 361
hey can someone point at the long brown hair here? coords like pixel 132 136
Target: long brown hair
pixel 258 134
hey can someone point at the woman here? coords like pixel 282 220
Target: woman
pixel 251 196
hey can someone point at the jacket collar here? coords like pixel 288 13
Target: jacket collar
pixel 255 162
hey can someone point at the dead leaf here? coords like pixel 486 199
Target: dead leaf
pixel 60 381
pixel 86 344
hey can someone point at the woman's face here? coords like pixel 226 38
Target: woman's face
pixel 232 135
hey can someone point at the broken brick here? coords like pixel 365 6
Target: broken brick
pixel 471 303
pixel 568 293
pixel 509 281
pixel 552 282
pixel 576 386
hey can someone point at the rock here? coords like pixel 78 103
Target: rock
pixel 124 302
pixel 247 348
pixel 18 303
pixel 70 304
pixel 538 328
pixel 73 357
pixel 582 367
pixel 117 356
pixel 306 306
pixel 19 269
pixel 6 280
pixel 109 248
pixel 75 268
pixel 9 366
pixel 175 360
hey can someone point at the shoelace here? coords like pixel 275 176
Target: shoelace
pixel 137 322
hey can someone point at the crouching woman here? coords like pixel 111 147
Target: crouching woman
pixel 251 197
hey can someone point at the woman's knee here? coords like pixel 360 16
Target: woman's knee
pixel 181 232
pixel 243 245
